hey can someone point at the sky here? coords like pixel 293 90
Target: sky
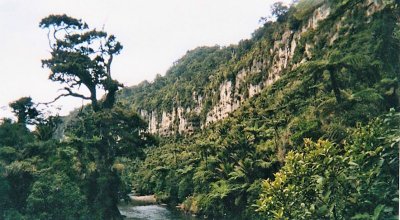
pixel 154 33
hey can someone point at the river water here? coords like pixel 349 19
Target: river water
pixel 152 212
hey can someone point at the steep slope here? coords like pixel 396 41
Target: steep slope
pixel 326 70
pixel 209 83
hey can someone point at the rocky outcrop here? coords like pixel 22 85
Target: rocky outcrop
pixel 168 123
pixel 231 94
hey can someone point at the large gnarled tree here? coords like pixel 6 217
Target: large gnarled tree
pixel 81 56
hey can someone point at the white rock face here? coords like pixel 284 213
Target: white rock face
pixel 230 98
pixel 373 6
pixel 224 106
pixel 254 90
pixel 153 124
pixel 229 92
pixel 182 120
pixel 319 14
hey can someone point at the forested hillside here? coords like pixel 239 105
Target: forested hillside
pixel 293 123
pixel 207 84
pixel 299 122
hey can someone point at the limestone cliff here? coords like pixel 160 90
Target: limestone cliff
pixel 282 47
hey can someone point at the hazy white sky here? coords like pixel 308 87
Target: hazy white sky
pixel 154 33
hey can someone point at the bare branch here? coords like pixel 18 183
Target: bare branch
pixel 76 83
pixel 48 37
pixel 54 34
pixel 54 100
pixel 70 93
pixel 108 65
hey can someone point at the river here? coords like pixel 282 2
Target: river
pixel 152 212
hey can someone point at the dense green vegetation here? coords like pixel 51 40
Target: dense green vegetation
pixel 317 144
pixel 77 178
pixel 78 175
pixel 353 180
pixel 321 142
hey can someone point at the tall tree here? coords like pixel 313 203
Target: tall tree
pixel 81 56
pixel 278 11
pixel 102 137
pixel 25 110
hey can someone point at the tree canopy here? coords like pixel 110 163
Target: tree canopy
pixel 25 110
pixel 81 56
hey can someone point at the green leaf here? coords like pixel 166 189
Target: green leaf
pixel 377 212
pixel 351 163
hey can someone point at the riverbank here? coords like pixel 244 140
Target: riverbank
pixel 143 200
pixel 148 208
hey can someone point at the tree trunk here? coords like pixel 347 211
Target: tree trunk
pixel 111 86
pixel 93 99
pixel 112 211
pixel 335 85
